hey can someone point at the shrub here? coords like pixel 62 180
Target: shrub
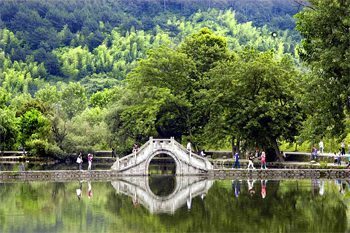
pixel 42 148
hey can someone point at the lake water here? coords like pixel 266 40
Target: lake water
pixel 176 204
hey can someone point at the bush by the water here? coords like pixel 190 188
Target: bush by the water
pixel 41 148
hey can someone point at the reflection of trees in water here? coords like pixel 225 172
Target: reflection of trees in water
pixel 162 185
pixel 289 206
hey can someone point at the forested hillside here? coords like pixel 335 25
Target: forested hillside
pixel 41 28
pixel 95 74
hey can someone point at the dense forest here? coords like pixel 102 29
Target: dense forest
pixel 89 75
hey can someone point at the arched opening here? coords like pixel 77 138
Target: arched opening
pixel 162 186
pixel 162 164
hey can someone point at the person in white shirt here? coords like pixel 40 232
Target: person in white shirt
pixel 321 146
pixel 189 146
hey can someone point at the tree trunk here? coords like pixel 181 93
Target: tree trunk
pixel 277 150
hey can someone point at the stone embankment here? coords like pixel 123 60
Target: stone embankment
pixel 58 175
pixel 108 175
pixel 279 174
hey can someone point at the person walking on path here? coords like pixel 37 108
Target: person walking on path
pixel 80 161
pixel 188 147
pixel 321 146
pixel 342 145
pixel 263 160
pixel 113 153
pixel 313 153
pixel 90 157
pixel 339 157
pixel 250 162
pixel 335 158
pixel 236 158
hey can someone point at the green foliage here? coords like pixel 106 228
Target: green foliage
pixel 205 49
pixel 42 148
pixel 101 99
pixel 87 131
pixel 8 128
pixel 253 98
pixel 33 125
pixel 325 48
pixel 75 63
pixel 74 99
pixel 4 98
pixel 147 72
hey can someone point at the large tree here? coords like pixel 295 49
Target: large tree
pixel 325 27
pixel 253 98
pixel 163 90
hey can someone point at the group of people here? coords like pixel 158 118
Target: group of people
pixel 260 155
pixel 189 149
pixel 80 161
pixel 341 153
pixel 315 151
pixel 337 155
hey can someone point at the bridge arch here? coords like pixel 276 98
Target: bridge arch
pixel 161 152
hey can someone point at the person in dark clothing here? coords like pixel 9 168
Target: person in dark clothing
pixel 236 158
pixel 113 153
pixel 250 161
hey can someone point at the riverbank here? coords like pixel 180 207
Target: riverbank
pixel 107 175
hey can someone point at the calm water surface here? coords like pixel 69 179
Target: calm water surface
pixel 176 204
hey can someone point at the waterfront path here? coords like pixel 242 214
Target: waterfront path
pixel 108 175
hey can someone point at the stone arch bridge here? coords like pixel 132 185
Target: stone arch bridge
pixel 186 162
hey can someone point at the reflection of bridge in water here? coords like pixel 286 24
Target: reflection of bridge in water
pixel 186 188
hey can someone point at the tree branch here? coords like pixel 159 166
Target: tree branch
pixel 304 3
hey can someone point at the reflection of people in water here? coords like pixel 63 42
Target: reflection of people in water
pixel 236 186
pixel 321 185
pixel 78 190
pixel 341 186
pixel 135 202
pixel 89 190
pixel 315 186
pixel 251 187
pixel 189 202
pixel 22 167
pixel 263 188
